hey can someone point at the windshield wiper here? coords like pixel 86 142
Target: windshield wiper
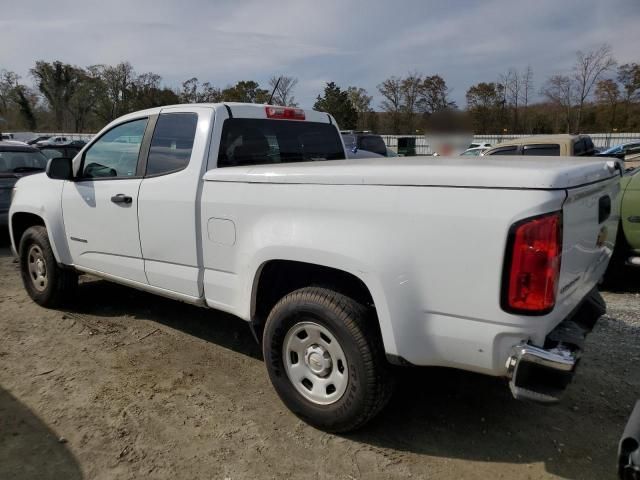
pixel 26 169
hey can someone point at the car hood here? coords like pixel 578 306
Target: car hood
pixel 515 172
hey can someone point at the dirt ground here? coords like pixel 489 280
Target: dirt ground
pixel 127 385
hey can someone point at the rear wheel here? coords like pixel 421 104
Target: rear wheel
pixel 44 280
pixel 325 359
pixel 614 277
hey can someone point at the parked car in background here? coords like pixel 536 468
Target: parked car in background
pixel 341 267
pixel 35 140
pixel 629 153
pixel 627 250
pixel 564 145
pixel 474 152
pixel 16 161
pixel 358 141
pixel 625 151
pixel 54 151
pixel 53 141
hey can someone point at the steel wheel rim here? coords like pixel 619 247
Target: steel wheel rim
pixel 315 363
pixel 37 267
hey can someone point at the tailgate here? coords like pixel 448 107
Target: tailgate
pixel 590 216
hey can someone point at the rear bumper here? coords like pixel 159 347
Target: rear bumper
pixel 542 374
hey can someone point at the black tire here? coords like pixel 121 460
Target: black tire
pixel 58 285
pixel 615 276
pixel 369 384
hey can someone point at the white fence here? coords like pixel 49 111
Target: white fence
pixel 600 140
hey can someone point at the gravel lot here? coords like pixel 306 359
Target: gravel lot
pixel 128 385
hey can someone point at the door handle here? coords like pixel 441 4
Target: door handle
pixel 122 198
pixel 634 219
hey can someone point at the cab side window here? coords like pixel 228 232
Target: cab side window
pixel 172 143
pixel 504 151
pixel 115 154
pixel 551 150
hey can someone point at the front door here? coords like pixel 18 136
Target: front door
pixel 100 207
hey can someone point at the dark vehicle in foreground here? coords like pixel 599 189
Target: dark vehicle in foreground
pixel 16 161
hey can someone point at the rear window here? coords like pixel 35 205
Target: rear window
pixel 372 143
pixel 248 141
pixel 551 150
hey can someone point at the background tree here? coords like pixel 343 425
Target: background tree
pixel 608 94
pixel 193 92
pixel 410 88
pixel 484 102
pixel 628 76
pixel 58 83
pixel 247 91
pixel 115 90
pixel 589 67
pixel 391 91
pixel 434 96
pixel 559 91
pixel 25 99
pixel 361 101
pixel 527 88
pixel 8 83
pixel 283 94
pixel 336 102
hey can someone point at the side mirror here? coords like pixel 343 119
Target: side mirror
pixel 60 168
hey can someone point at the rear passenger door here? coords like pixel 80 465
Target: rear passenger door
pixel 169 199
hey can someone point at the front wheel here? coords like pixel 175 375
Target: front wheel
pixel 46 283
pixel 324 356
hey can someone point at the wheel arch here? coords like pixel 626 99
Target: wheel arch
pixel 275 278
pixel 20 221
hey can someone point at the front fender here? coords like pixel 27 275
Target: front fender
pixel 41 196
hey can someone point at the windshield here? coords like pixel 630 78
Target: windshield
pixel 21 161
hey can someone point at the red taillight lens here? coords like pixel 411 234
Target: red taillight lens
pixel 286 113
pixel 535 250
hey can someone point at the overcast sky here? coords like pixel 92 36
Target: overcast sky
pixel 350 42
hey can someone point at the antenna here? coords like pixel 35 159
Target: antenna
pixel 274 89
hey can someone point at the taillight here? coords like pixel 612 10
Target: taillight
pixel 532 267
pixel 286 113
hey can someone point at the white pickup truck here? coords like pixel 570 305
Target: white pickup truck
pixel 342 267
